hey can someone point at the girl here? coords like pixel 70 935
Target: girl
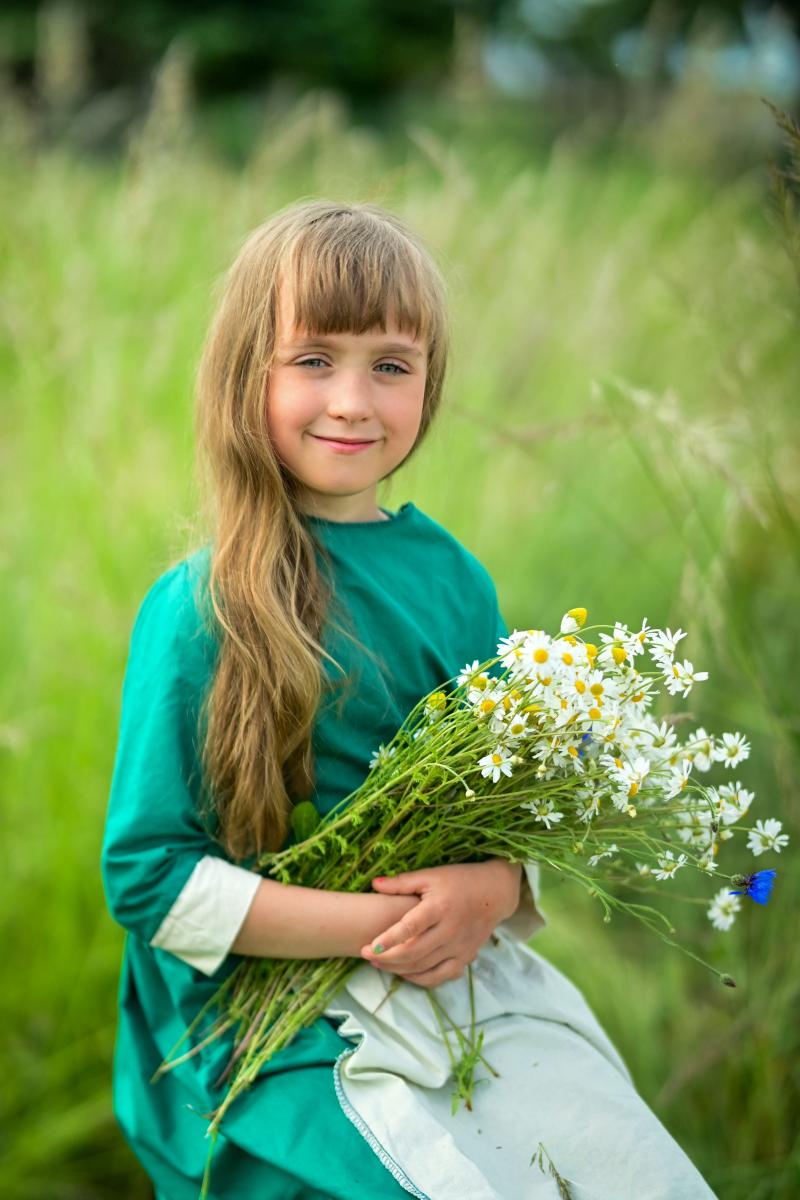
pixel 321 374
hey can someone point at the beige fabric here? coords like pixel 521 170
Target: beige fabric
pixel 202 924
pixel 562 1083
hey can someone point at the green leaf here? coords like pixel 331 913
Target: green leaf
pixel 305 820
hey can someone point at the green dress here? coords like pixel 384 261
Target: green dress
pixel 425 604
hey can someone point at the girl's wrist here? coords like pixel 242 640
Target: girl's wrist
pixel 513 872
pixel 383 911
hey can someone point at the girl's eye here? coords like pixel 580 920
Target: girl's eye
pixel 397 368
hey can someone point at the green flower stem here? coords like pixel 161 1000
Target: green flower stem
pixel 412 813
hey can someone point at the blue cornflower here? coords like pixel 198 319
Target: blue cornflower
pixel 583 739
pixel 757 886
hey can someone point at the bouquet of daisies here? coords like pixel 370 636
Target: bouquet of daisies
pixel 545 753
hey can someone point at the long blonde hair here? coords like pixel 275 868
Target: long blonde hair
pixel 349 266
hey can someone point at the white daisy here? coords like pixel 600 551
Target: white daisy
pixel 615 645
pixel 381 756
pixel 767 836
pixel 734 801
pixel 496 763
pixel 635 644
pixel 694 827
pixel 664 642
pixel 511 652
pixel 436 706
pixel 467 672
pixel 543 811
pixel 663 736
pixel 733 749
pixel 707 863
pixel 573 620
pixel 595 859
pixel 588 809
pixel 700 748
pixel 680 677
pixel 678 778
pixel 723 909
pixel 668 864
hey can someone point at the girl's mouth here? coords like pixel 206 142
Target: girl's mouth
pixel 344 447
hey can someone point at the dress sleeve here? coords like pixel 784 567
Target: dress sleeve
pixel 165 878
pixel 528 917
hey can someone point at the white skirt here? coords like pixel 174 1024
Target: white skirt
pixel 562 1085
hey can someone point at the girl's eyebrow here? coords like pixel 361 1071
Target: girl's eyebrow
pixel 384 348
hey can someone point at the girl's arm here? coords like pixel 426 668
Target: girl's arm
pixel 288 921
pixel 165 880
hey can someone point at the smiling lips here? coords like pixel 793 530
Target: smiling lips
pixel 347 447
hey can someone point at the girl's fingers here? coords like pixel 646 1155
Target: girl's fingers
pixel 449 968
pixel 402 884
pixel 412 925
pixel 416 958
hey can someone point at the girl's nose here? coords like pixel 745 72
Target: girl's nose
pixel 349 396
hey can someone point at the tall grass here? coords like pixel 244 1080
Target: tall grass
pixel 619 433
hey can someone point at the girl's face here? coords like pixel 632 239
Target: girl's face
pixel 359 387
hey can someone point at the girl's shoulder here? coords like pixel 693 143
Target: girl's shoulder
pixel 459 564
pixel 174 614
pixel 179 592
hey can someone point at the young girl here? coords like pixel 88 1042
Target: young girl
pixel 321 374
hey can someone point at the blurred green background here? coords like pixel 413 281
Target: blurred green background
pixel 614 206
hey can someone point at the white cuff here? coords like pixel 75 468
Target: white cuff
pixel 202 924
pixel 528 917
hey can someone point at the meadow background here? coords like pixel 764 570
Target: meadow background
pixel 619 432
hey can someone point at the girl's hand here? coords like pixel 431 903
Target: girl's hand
pixel 459 906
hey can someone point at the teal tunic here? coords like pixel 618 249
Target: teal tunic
pixel 427 606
